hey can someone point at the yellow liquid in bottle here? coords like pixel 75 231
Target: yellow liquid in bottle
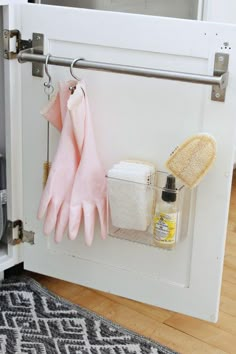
pixel 164 225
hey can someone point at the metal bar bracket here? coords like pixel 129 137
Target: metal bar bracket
pixel 220 69
pixel 37 46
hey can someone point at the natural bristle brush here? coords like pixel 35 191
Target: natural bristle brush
pixel 46 169
pixel 48 89
pixel 191 160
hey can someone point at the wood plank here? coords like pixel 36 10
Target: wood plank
pixel 230 249
pixel 183 343
pixel 154 312
pixel 227 322
pixel 228 305
pixel 121 314
pixel 230 261
pixel 206 332
pixel 229 274
pixel 228 290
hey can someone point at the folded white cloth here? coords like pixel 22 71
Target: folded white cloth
pixel 131 195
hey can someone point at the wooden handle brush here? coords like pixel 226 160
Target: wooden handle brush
pixel 46 164
pixel 48 89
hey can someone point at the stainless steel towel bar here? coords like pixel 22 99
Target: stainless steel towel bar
pixel 219 80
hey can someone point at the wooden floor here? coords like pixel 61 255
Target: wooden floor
pixel 179 332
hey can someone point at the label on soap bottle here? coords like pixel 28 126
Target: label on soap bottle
pixel 164 227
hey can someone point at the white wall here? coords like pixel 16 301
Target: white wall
pixel 2 124
pixel 169 8
pixel 220 11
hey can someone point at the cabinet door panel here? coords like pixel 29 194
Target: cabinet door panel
pixel 137 118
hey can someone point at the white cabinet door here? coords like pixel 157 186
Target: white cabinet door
pixel 141 118
pixel 221 11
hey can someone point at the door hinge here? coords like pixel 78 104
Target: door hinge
pixel 13 43
pixel 16 234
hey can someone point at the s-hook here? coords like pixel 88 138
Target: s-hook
pixel 48 87
pixel 72 88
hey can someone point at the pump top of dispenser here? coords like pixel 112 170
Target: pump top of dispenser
pixel 169 191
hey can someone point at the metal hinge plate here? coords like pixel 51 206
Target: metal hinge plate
pixel 220 68
pixel 13 44
pixel 16 228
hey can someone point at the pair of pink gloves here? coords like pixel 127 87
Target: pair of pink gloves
pixel 76 184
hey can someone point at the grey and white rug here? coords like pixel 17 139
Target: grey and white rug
pixel 35 321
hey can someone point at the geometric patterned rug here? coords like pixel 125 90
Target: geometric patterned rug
pixel 35 321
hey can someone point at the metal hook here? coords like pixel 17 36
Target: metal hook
pixel 72 88
pixel 48 85
pixel 72 66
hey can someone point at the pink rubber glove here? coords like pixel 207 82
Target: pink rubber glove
pixel 63 216
pixel 62 173
pixel 89 188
